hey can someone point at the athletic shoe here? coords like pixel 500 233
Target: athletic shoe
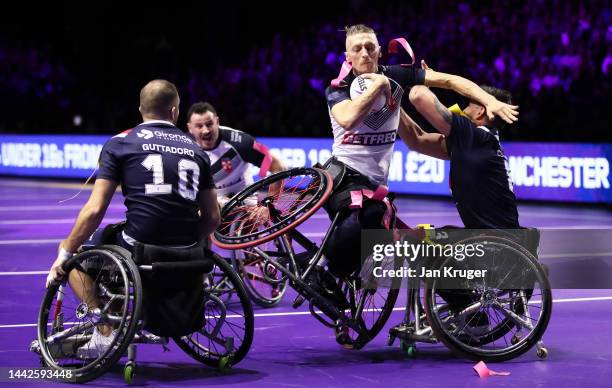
pixel 97 345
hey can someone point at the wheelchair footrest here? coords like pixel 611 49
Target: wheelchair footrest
pixel 148 338
pixel 406 331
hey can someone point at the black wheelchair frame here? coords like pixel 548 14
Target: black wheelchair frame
pixel 118 285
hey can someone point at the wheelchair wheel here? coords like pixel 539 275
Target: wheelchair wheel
pixel 113 297
pixel 371 302
pixel 263 282
pixel 303 192
pixel 500 316
pixel 228 321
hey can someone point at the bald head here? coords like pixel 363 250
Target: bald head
pixel 159 100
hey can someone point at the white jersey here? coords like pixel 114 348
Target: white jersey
pixel 368 147
pixel 230 161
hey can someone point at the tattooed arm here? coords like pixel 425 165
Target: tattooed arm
pixel 432 144
pixel 430 107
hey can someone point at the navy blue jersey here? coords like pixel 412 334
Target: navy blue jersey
pixel 161 171
pixel 479 177
pixel 368 146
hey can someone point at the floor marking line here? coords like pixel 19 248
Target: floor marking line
pixel 292 313
pixel 52 207
pixel 52 221
pixel 570 255
pixel 22 242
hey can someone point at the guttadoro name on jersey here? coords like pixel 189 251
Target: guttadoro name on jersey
pixel 167 149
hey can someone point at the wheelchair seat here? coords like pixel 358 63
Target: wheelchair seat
pixel 193 260
pixel 172 282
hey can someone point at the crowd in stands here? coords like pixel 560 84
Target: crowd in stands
pixel 555 57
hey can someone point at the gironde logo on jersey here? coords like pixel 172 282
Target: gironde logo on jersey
pixel 145 133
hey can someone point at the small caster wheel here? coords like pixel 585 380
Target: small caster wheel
pixel 390 340
pixel 515 339
pixel 224 364
pixel 408 349
pixel 542 353
pixel 128 373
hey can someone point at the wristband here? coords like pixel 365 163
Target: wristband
pixel 64 254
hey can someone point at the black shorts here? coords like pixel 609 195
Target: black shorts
pixel 345 180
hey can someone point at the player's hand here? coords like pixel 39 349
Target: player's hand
pixel 56 273
pixel 381 81
pixel 506 112
pixel 424 65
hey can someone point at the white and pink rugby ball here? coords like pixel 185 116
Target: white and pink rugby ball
pixel 359 86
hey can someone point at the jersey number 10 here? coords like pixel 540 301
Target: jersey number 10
pixel 154 163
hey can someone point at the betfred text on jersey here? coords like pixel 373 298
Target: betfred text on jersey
pixel 370 139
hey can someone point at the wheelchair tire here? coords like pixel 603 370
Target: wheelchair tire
pixel 265 284
pixel 119 275
pixel 491 344
pixel 305 190
pixel 378 303
pixel 200 346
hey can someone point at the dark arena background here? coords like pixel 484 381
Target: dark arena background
pixel 70 77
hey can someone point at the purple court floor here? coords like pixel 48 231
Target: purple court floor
pixel 290 347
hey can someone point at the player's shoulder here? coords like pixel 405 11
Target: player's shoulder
pixel 118 139
pixel 233 136
pixel 123 134
pixel 342 86
pixel 395 71
pixel 461 121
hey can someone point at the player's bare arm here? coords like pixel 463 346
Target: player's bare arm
pixel 467 88
pixel 432 144
pixel 349 113
pixel 430 107
pixel 210 215
pixel 88 220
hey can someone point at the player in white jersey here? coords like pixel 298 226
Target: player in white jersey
pixel 364 137
pixel 230 151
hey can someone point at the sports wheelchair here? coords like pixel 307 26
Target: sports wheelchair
pixel 265 285
pixel 519 314
pixel 355 313
pixel 500 316
pixel 147 297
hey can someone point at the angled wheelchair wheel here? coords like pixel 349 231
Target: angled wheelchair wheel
pixel 111 290
pixel 371 302
pixel 263 282
pixel 302 192
pixel 228 320
pixel 498 317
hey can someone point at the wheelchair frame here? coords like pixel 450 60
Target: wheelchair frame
pixel 61 343
pixel 409 331
pixel 417 323
pixel 298 278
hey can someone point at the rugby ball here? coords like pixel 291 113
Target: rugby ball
pixel 359 86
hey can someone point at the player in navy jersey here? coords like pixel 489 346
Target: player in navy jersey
pixel 230 151
pixel 479 177
pixel 364 140
pixel 168 189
